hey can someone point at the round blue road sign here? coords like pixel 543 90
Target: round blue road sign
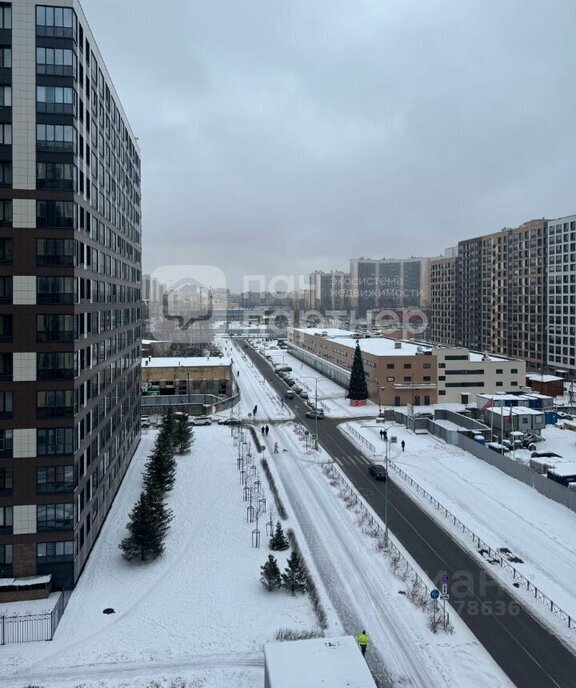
pixel 435 594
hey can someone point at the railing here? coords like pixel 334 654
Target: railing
pixel 357 436
pixel 493 554
pixel 31 628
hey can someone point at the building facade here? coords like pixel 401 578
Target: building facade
pixel 70 320
pixel 561 294
pixel 328 291
pixel 442 324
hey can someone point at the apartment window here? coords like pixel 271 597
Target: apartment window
pixel 5 58
pixel 55 403
pixel 5 174
pixel 6 482
pixel 427 366
pixel 5 134
pixel 55 517
pixel 56 175
pixel 5 251
pixel 56 214
pixel 499 384
pixel 390 366
pixel 407 366
pixel 5 367
pixel 56 137
pixel 57 22
pixel 5 97
pixel 6 404
pixel 6 446
pixel 57 61
pixel 55 328
pixel 55 366
pixel 55 479
pixel 6 17
pixel 55 252
pixel 426 378
pixel 499 371
pixel 5 213
pixel 59 290
pixel 407 378
pixel 514 371
pixel 55 100
pixel 6 522
pixel 5 328
pixel 5 289
pixel 55 441
pixel 54 552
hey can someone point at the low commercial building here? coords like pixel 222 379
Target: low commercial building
pixel 400 372
pixel 515 419
pixel 550 385
pixel 183 376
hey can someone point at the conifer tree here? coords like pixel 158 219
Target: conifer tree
pixel 279 542
pixel 160 469
pixel 147 527
pixel 183 435
pixel 270 574
pixel 358 389
pixel 294 577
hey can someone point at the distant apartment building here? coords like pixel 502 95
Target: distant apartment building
pixel 468 294
pixel 561 294
pixel 70 285
pixel 442 321
pixel 391 284
pixel 328 291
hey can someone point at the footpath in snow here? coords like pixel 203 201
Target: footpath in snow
pixel 502 511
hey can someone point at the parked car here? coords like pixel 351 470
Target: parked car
pixel 303 394
pixel 289 394
pixel 315 414
pixel 230 421
pixel 377 472
pixel 289 381
pixel 145 423
pixel 285 369
pixel 297 388
pixel 200 420
pixel 544 455
pixel 500 448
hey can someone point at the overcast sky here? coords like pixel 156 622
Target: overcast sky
pixel 290 135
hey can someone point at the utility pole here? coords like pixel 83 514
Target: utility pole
pixel 386 496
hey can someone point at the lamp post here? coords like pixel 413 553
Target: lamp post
pixel 386 495
pixel 311 377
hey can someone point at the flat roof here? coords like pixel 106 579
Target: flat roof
pixel 536 377
pixel 186 362
pixel 564 469
pixel 381 346
pixel 327 331
pixel 316 663
pixel 516 411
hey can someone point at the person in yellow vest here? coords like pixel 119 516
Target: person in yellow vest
pixel 363 642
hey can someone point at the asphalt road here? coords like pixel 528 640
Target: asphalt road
pixel 527 651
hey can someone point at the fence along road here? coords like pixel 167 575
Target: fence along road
pixel 530 654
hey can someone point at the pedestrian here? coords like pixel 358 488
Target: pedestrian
pixel 381 434
pixel 363 642
pixel 255 411
pixel 267 431
pixel 402 444
pixel 263 430
pixel 275 447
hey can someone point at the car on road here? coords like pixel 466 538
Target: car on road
pixel 303 394
pixel 200 420
pixel 315 414
pixel 377 472
pixel 230 421
pixel 289 394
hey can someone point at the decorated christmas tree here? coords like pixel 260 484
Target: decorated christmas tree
pixel 358 389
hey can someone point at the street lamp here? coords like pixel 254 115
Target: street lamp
pixel 379 397
pixel 311 377
pixel 386 494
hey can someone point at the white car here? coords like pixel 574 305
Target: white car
pixel 200 420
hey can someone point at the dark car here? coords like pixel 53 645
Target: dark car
pixel 230 421
pixel 378 472
pixel 544 455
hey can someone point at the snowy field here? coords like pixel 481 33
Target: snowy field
pixel 199 611
pixel 362 588
pixel 501 510
pixel 45 606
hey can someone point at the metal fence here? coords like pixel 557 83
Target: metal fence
pixel 30 628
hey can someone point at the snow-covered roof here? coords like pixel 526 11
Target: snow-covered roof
pixel 330 662
pixel 325 331
pixel 25 582
pixel 381 346
pixel 536 377
pixel 516 411
pixel 565 469
pixel 186 362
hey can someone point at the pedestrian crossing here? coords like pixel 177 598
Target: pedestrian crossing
pixel 357 460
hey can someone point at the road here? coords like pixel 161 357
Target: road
pixel 531 655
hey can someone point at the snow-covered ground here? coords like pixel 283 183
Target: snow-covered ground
pixel 199 611
pixel 501 510
pixel 362 588
pixel 557 439
pixel 27 607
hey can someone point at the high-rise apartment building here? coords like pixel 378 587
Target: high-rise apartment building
pixel 70 280
pixel 561 294
pixel 328 290
pixel 469 294
pixel 442 323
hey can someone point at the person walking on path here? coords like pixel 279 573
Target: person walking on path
pixel 255 411
pixel 363 642
pixel 263 430
pixel 267 430
pixel 276 447
pixel 402 444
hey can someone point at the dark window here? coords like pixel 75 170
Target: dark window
pixel 55 366
pixel 499 384
pixel 6 519
pixel 6 482
pixel 5 213
pixel 5 550
pixel 55 100
pixel 6 17
pixel 499 371
pixel 441 365
pixel 5 289
pixel 5 367
pixel 55 479
pixel 56 214
pixel 465 384
pixel 390 366
pixel 427 366
pixel 56 175
pixel 5 328
pixel 55 517
pixel 55 328
pixel 5 58
pixel 55 252
pixel 426 400
pixel 407 366
pixel 55 290
pixel 5 174
pixel 5 97
pixel 6 404
pixel 5 251
pixel 55 441
pixel 53 552
pixel 514 371
pixel 6 444
pixel 456 357
pixel 58 61
pixel 442 392
pixel 56 137
pixel 54 403
pixel 57 22
pixel 426 378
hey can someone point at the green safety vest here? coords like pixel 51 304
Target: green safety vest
pixel 362 639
